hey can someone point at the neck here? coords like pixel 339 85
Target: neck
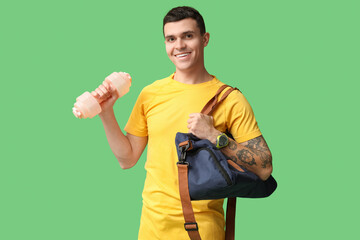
pixel 192 77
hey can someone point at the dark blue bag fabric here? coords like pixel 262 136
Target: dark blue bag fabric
pixel 210 176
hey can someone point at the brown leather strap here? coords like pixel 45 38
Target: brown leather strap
pixel 213 102
pixel 222 99
pixel 207 108
pixel 190 223
pixel 230 219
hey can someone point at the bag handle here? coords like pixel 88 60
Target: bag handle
pixel 212 104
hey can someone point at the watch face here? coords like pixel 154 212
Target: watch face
pixel 223 140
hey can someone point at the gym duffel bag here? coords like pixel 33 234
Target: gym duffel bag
pixel 206 173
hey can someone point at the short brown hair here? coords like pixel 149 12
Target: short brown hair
pixel 180 13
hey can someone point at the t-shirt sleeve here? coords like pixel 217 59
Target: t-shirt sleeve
pixel 137 123
pixel 240 118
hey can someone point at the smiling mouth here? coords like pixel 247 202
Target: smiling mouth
pixel 181 55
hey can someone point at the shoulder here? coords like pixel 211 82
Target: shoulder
pixel 155 86
pixel 149 92
pixel 236 96
pixel 235 100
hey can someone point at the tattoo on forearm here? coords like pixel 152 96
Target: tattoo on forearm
pixel 265 162
pixel 232 145
pixel 233 158
pixel 259 147
pixel 255 148
pixel 258 144
pixel 246 156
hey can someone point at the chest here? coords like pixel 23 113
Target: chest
pixel 168 113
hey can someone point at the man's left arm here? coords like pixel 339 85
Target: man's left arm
pixel 253 155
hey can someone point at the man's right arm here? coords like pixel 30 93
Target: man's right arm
pixel 127 149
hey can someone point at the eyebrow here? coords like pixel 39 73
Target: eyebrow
pixel 184 33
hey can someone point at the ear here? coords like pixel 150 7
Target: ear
pixel 206 39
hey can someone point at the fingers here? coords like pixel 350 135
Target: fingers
pixel 190 128
pixel 103 91
pixel 190 122
pixel 107 86
pixel 95 94
pixel 197 116
pixel 193 118
pixel 193 115
pixel 99 93
pixel 113 92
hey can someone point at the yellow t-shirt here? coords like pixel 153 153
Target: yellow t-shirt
pixel 161 110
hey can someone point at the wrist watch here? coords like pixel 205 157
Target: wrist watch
pixel 222 140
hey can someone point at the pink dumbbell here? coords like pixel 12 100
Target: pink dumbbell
pixel 87 106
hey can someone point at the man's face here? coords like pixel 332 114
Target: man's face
pixel 185 45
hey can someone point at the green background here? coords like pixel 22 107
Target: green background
pixel 297 62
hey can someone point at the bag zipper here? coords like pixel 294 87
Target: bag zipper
pixel 216 161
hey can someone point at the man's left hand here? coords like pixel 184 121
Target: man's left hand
pixel 202 126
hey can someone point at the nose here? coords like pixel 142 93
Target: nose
pixel 180 44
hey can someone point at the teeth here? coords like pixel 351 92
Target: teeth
pixel 182 55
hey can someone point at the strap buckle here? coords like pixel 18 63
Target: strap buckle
pixel 182 159
pixel 191 226
pixel 184 147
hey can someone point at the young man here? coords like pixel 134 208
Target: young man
pixel 172 105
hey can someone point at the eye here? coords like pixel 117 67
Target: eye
pixel 170 39
pixel 189 36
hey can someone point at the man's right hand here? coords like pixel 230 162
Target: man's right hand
pixel 108 95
